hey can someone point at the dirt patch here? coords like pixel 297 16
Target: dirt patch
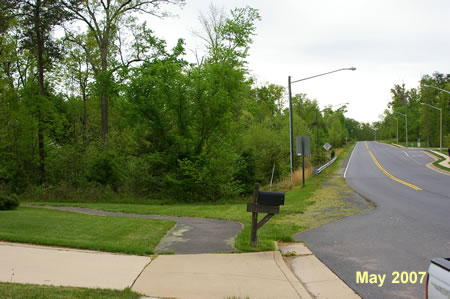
pixel 332 201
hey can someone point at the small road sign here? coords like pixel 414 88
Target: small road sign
pixel 327 146
pixel 303 145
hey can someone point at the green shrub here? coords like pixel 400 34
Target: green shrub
pixel 333 153
pixel 9 202
pixel 203 178
pixel 246 174
pixel 105 171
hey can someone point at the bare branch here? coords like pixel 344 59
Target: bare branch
pixel 94 19
pixel 138 6
pixel 81 17
pixel 120 47
pixel 105 7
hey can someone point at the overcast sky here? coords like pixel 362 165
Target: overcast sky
pixel 388 41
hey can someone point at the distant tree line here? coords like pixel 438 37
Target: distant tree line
pixel 423 120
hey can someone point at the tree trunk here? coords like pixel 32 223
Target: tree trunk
pixel 84 122
pixel 40 46
pixel 104 96
pixel 104 116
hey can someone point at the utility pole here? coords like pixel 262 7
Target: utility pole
pixel 291 126
pixel 291 130
pixel 406 126
pixel 440 113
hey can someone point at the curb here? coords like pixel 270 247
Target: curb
pixel 432 167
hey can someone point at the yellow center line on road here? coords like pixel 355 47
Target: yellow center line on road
pixel 390 175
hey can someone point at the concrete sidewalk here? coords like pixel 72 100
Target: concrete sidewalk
pixel 68 267
pixel 253 275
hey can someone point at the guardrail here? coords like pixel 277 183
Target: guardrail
pixel 321 168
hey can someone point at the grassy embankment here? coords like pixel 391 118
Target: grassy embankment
pixel 320 201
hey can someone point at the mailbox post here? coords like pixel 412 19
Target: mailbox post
pixel 263 202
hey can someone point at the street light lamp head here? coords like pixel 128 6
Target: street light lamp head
pixel 440 89
pixel 352 68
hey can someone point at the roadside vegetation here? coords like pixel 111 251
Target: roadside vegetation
pixel 18 290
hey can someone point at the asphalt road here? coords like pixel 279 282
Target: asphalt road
pixel 403 233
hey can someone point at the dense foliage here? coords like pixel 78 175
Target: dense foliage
pixel 110 108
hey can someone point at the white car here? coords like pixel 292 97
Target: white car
pixel 438 279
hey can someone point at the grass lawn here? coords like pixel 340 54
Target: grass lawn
pixel 280 228
pixel 59 228
pixel 18 290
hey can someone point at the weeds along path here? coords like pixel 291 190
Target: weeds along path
pixel 190 235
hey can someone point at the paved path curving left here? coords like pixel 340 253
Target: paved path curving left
pixel 190 235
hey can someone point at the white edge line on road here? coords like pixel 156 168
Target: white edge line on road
pixel 351 155
pixel 406 153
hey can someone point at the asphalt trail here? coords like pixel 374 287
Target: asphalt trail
pixel 190 235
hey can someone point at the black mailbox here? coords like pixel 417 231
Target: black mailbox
pixel 271 198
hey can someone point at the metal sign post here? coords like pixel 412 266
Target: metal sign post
pixel 303 149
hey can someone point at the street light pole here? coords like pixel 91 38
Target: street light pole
pixel 291 126
pixel 397 125
pixel 443 90
pixel 440 113
pixel 317 130
pixel 291 130
pixel 406 126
